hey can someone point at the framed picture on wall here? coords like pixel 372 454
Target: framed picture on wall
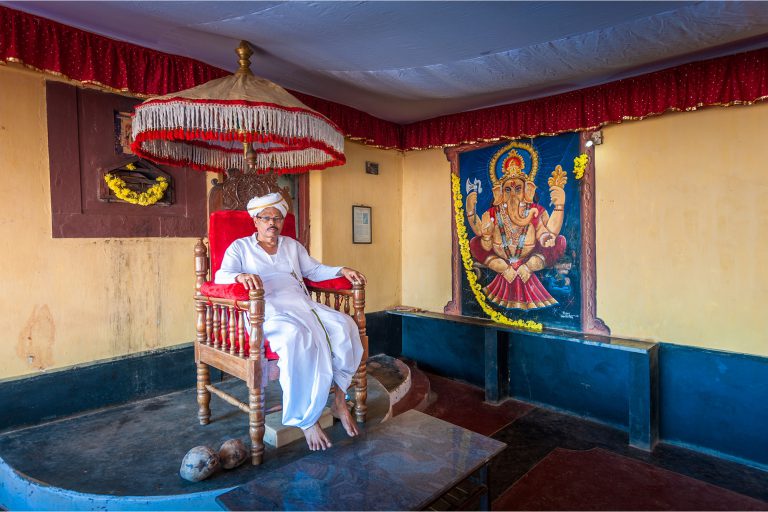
pixel 361 224
pixel 523 232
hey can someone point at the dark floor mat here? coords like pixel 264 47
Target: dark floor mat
pixel 463 405
pixel 597 479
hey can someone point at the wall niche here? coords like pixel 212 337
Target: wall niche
pixel 88 137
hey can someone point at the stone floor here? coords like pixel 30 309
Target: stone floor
pixel 136 449
pixel 555 461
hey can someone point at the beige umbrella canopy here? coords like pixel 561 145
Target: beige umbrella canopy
pixel 210 127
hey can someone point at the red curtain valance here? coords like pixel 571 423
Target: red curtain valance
pixel 124 67
pixel 92 59
pixel 89 58
pixel 735 79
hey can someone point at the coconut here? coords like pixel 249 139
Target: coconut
pixel 232 453
pixel 199 463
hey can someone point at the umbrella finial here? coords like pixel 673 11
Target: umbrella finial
pixel 244 51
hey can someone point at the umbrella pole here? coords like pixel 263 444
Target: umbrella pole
pixel 249 157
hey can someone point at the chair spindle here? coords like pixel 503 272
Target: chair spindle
pixel 216 325
pixel 232 329
pixel 208 324
pixel 241 335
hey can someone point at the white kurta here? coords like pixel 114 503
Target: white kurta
pixel 317 345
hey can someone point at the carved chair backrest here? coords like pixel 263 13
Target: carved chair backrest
pixel 228 219
pixel 226 226
pixel 237 188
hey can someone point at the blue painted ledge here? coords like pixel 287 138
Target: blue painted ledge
pixel 608 379
pixel 706 400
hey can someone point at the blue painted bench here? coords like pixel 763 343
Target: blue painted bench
pixel 609 379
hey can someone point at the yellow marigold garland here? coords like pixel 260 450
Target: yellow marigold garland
pixel 152 195
pixel 466 259
pixel 580 165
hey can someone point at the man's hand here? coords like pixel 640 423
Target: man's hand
pixel 353 276
pixel 249 281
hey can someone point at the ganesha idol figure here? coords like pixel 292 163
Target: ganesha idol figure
pixel 516 237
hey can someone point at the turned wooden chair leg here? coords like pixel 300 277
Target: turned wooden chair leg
pixel 256 423
pixel 361 393
pixel 203 395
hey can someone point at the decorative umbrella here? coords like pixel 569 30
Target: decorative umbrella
pixel 213 126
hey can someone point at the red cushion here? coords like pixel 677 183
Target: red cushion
pixel 234 291
pixel 226 226
pixel 337 283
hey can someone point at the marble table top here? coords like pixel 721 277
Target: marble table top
pixel 402 464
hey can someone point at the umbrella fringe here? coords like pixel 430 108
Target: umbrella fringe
pixel 201 156
pixel 234 122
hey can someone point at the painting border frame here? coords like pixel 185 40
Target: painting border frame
pixel 590 323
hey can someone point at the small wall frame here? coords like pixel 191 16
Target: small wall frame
pixel 362 232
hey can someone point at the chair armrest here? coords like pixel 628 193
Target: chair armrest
pixel 235 291
pixel 338 283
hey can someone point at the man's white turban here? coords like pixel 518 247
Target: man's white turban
pixel 274 200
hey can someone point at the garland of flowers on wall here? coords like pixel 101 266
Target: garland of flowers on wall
pixel 580 165
pixel 466 259
pixel 147 198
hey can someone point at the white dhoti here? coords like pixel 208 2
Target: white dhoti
pixel 310 362
pixel 317 345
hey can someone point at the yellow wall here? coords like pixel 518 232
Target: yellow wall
pixel 72 301
pixel 681 240
pixel 682 228
pixel 426 258
pixel 333 192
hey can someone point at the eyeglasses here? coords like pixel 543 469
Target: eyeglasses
pixel 276 220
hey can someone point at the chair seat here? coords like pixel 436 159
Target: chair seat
pixel 237 291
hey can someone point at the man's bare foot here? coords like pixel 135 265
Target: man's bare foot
pixel 316 438
pixel 340 410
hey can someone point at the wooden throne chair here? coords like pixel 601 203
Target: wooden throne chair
pixel 224 339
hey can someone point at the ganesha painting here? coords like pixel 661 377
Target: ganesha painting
pixel 516 237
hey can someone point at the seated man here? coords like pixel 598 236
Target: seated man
pixel 317 345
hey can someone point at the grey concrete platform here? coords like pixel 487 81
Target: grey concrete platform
pixel 127 457
pixel 404 464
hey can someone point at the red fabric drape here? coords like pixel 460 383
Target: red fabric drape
pixel 740 78
pixel 356 124
pixel 90 58
pixel 93 59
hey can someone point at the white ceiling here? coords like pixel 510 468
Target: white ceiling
pixel 408 61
